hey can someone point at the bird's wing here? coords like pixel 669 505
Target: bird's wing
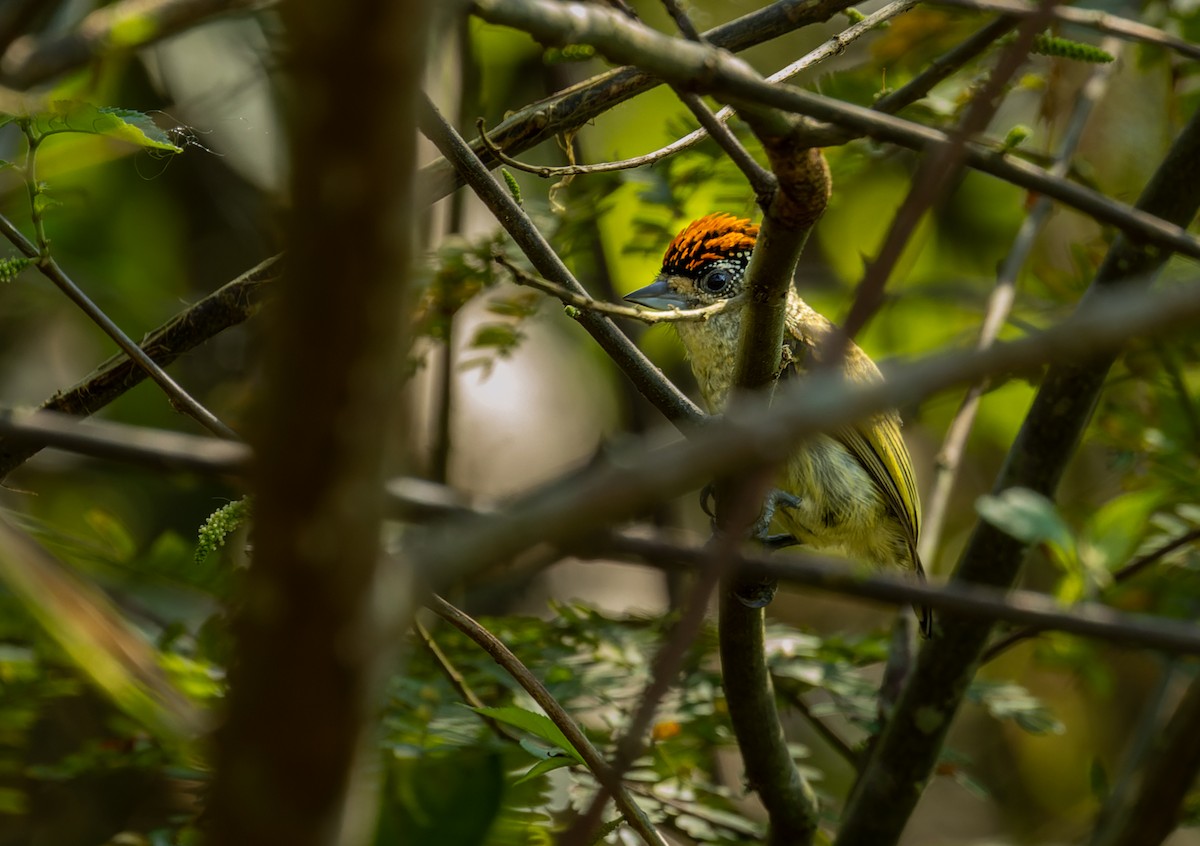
pixel 875 443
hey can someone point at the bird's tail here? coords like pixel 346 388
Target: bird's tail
pixel 924 612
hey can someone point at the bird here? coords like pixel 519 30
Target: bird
pixel 852 490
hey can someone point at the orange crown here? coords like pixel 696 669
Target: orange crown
pixel 711 238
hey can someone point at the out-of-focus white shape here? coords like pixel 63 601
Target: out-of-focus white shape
pixel 218 75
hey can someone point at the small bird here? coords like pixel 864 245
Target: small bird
pixel 852 490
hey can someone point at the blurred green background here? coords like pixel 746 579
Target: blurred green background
pixel 531 396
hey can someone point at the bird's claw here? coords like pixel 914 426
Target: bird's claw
pixel 774 500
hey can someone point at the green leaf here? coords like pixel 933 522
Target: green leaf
pixel 539 725
pixel 122 124
pixel 1008 701
pixel 1112 534
pixel 1031 518
pixel 544 766
pixel 447 799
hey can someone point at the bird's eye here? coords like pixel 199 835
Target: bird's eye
pixel 715 281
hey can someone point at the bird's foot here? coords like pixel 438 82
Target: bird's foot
pixel 774 500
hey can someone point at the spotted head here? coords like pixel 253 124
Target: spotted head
pixel 704 264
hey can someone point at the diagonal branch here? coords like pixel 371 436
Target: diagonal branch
pixel 540 121
pixel 648 379
pixel 903 759
pixel 628 480
pixel 721 73
pixel 228 306
pixel 591 756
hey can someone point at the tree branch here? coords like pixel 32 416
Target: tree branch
pixel 228 306
pixel 537 122
pixel 181 399
pixel 902 760
pixel 720 73
pixel 627 481
pixel 648 379
pixel 512 665
pixel 30 431
pixel 296 753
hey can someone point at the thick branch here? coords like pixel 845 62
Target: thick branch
pixel 903 758
pixel 313 638
pixel 799 200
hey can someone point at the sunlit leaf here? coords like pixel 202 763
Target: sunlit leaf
pixel 539 725
pixel 122 124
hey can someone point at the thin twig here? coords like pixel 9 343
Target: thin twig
pixel 833 47
pixel 586 303
pixel 999 305
pixel 50 268
pixel 646 377
pixel 228 306
pixel 512 665
pixel 1124 574
pixel 1109 24
pixel 937 172
pixel 456 680
pixel 683 62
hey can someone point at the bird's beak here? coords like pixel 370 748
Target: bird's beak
pixel 658 295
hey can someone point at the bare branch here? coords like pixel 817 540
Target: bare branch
pixel 683 62
pixel 646 377
pixel 906 752
pixel 585 302
pixel 813 572
pixel 537 122
pixel 512 665
pixel 49 268
pixel 228 306
pixel 30 431
pixel 1122 575
pixel 999 305
pixel 833 47
pixel 760 433
pixel 956 600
